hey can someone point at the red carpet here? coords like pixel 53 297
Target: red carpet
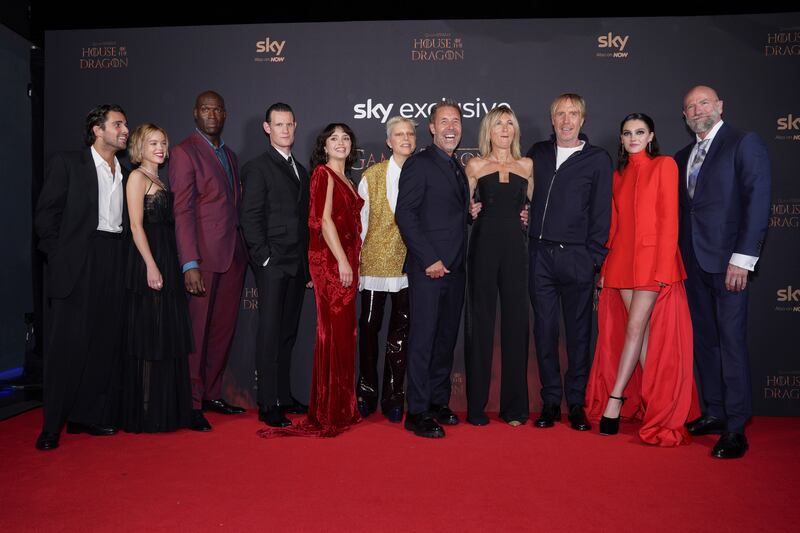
pixel 378 477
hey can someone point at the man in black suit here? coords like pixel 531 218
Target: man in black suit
pixel 724 192
pixel 432 209
pixel 274 221
pixel 79 221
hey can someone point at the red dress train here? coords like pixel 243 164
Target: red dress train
pixel 643 253
pixel 332 408
pixel 663 397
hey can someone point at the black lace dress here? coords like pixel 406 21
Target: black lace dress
pixel 157 393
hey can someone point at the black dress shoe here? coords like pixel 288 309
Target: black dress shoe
pixel 730 446
pixel 478 420
pixel 443 415
pixel 706 425
pixel 273 417
pixel 198 422
pixel 394 414
pixel 47 441
pixel 550 413
pixel 424 425
pixel 577 419
pixel 222 407
pixel 294 408
pixel 91 429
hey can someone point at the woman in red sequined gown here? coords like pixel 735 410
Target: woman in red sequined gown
pixel 644 345
pixel 333 251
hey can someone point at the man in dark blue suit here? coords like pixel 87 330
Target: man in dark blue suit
pixel 431 213
pixel 724 209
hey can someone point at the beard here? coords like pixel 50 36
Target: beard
pixel 702 124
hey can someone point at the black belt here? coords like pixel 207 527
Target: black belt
pixel 100 234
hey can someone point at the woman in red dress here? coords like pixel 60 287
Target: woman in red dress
pixel 644 346
pixel 334 247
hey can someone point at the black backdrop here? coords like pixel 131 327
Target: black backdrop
pixel 362 72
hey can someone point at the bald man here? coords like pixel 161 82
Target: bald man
pixel 724 210
pixel 204 177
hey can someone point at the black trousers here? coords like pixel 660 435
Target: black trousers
pixel 280 300
pixel 435 307
pixel 561 276
pixel 497 264
pixel 83 360
pixel 394 367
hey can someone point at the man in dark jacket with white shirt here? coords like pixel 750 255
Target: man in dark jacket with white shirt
pixel 569 223
pixel 80 219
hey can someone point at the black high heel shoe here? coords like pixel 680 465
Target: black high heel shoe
pixel 610 426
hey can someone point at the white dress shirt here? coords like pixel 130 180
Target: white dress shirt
pixel 109 197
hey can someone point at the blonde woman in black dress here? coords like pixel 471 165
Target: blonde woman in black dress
pixel 502 181
pixel 157 393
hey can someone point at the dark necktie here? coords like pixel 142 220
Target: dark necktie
pixel 460 177
pixel 294 168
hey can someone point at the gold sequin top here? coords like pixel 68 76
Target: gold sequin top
pixel 384 251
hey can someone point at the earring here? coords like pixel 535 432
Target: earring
pixel 650 147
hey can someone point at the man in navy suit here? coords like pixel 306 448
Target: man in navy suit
pixel 431 213
pixel 724 209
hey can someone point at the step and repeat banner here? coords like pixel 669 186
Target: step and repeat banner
pixel 362 73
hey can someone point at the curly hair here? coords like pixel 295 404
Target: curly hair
pixel 97 117
pixel 318 155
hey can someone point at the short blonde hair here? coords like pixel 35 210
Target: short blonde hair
pixel 139 137
pixel 485 135
pixel 395 120
pixel 572 97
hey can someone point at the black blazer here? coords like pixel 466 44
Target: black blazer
pixel 274 213
pixel 730 209
pixel 67 215
pixel 432 211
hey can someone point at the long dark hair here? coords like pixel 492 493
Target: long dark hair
pixel 318 156
pixel 652 148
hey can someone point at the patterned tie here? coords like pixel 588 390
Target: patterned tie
pixel 694 169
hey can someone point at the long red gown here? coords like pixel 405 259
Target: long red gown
pixel 643 244
pixel 332 408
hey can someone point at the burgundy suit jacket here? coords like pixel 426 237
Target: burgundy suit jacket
pixel 206 205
